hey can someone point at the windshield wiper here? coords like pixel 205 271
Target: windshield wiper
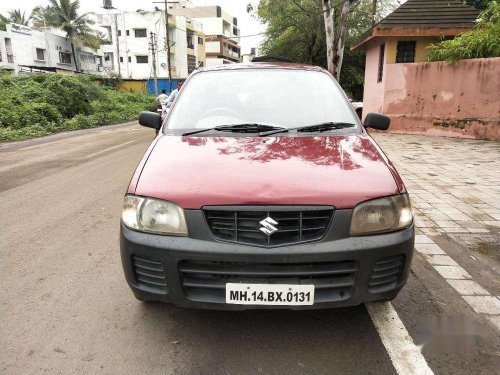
pixel 323 127
pixel 239 128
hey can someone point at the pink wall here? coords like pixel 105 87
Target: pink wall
pixel 373 96
pixel 441 99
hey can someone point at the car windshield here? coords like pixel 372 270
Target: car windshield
pixel 284 98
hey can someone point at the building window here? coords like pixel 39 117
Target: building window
pixel 406 52
pixel 121 59
pixel 381 58
pixel 129 59
pixel 128 32
pixel 64 58
pixel 119 33
pixel 191 62
pixel 190 44
pixel 40 54
pixel 140 33
pixel 200 41
pixel 107 36
pixel 87 59
pixel 142 59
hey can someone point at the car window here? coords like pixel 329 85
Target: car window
pixel 279 97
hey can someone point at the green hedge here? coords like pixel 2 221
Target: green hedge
pixel 43 104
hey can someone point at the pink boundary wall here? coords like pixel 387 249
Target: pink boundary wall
pixel 437 98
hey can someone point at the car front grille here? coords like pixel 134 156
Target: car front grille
pixel 293 226
pixel 150 273
pixel 386 274
pixel 205 281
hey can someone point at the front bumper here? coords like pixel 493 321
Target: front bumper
pixel 358 269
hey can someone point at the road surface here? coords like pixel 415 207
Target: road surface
pixel 66 309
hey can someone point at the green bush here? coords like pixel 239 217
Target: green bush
pixel 42 104
pixel 482 42
pixel 42 114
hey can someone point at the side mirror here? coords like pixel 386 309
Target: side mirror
pixel 377 121
pixel 150 120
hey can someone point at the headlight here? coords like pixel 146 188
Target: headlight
pixel 153 216
pixel 381 215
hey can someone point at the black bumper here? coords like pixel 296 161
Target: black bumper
pixel 192 271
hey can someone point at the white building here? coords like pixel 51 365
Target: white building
pixel 25 49
pixel 221 29
pixel 128 50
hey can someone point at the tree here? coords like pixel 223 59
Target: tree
pixel 63 14
pixel 296 30
pixel 14 16
pixel 479 4
pixel 19 17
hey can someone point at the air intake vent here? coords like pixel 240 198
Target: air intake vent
pixel 386 274
pixel 205 281
pixel 150 273
pixel 291 226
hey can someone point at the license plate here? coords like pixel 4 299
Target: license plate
pixel 269 294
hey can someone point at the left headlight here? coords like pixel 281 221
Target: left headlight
pixel 153 216
pixel 381 215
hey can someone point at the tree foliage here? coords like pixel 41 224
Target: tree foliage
pixel 479 4
pixel 295 29
pixel 63 14
pixel 14 16
pixel 483 41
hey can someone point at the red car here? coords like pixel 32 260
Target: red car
pixel 264 190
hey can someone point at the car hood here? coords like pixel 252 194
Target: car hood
pixel 324 170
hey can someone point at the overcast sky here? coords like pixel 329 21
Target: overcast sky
pixel 237 8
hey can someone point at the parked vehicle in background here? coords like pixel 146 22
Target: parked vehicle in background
pixel 358 108
pixel 263 190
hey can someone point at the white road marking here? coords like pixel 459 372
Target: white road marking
pixel 468 288
pixel 406 357
pixel 40 145
pixel 108 149
pixel 453 272
pixel 484 304
pixel 478 298
pixel 440 260
pixel 429 248
pixel 422 238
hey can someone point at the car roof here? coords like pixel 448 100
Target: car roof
pixel 261 65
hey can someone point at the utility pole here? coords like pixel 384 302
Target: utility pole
pixel 117 46
pixel 167 38
pixel 152 47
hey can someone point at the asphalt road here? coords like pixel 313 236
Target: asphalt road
pixel 66 309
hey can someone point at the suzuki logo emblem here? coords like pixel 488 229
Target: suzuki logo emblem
pixel 268 226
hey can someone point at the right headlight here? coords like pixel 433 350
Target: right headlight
pixel 381 215
pixel 153 216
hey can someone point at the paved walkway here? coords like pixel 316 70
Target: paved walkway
pixel 454 186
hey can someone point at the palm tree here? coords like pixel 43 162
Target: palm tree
pixel 63 14
pixel 14 16
pixel 19 17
